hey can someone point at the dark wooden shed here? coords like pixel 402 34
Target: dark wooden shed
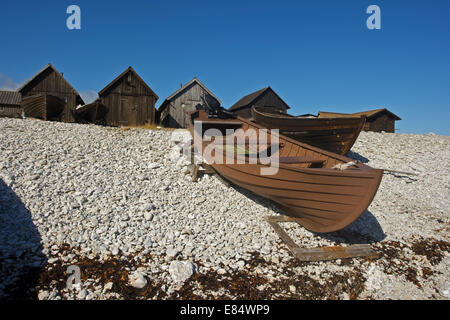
pixel 172 112
pixel 10 104
pixel 129 100
pixel 376 120
pixel 46 87
pixel 266 99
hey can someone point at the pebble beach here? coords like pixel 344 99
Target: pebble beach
pixel 121 206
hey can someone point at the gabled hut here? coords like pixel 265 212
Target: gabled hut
pixel 130 101
pixel 265 99
pixel 376 120
pixel 48 95
pixel 10 104
pixel 192 95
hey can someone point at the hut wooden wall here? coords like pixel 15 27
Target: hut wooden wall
pixel 49 82
pixel 10 111
pixel 268 100
pixel 129 104
pixel 43 106
pixel 185 101
pixel 380 123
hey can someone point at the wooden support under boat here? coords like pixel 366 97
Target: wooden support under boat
pixel 333 134
pixel 319 253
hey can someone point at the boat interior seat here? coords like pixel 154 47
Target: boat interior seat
pixel 221 123
pixel 314 162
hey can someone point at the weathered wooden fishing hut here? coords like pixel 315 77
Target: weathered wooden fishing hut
pixel 130 101
pixel 194 94
pixel 10 104
pixel 376 120
pixel 47 95
pixel 266 99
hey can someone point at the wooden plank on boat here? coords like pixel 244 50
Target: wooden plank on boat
pixel 318 253
pixel 300 160
pixel 218 122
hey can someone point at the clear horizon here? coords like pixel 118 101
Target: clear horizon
pixel 317 55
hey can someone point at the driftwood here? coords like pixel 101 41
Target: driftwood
pixel 400 172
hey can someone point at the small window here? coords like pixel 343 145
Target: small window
pixel 2 109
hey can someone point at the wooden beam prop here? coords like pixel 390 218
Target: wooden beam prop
pixel 319 253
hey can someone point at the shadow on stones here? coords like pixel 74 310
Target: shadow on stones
pixel 21 256
pixel 365 230
pixel 357 156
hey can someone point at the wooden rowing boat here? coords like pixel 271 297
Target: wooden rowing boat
pixel 306 186
pixel 333 134
pixel 94 112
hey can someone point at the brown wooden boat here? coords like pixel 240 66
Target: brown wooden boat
pixel 94 112
pixel 333 134
pixel 306 186
pixel 43 106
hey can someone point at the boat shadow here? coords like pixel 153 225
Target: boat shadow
pixel 21 256
pixel 357 156
pixel 365 230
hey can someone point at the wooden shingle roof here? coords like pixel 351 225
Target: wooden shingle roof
pixel 250 98
pixel 370 114
pixel 48 66
pixel 373 113
pixel 10 97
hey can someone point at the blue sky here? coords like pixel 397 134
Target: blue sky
pixel 317 55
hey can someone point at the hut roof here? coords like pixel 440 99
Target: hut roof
pixel 370 114
pixel 48 66
pixel 306 115
pixel 10 97
pixel 250 98
pixel 373 113
pixel 123 74
pixel 194 80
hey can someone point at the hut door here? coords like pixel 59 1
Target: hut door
pixel 128 114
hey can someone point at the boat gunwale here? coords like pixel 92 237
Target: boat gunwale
pixel 361 120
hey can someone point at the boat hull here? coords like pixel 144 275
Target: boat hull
pixel 333 134
pixel 320 199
